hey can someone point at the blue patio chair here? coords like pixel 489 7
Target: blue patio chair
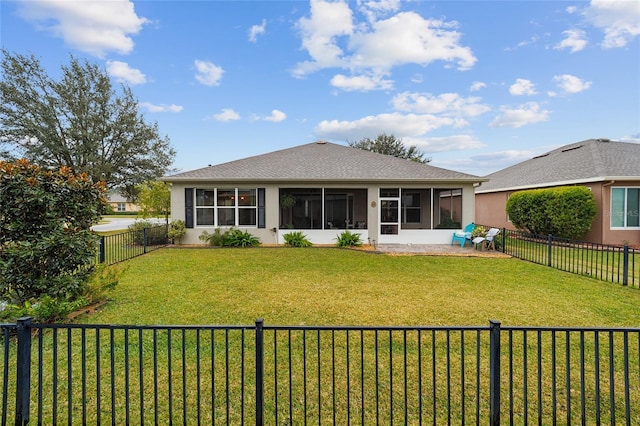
pixel 463 235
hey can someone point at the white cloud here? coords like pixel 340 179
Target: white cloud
pixel 631 138
pixel 373 9
pixel 619 20
pixel 522 87
pixel 571 84
pixel 477 85
pixel 400 125
pixel 408 38
pixel 123 73
pixel 161 108
pixel 575 41
pixel 257 30
pixel 94 27
pixel 208 73
pixel 445 144
pixel 361 83
pixel 328 20
pixel 447 104
pixel 227 114
pixel 275 117
pixel 528 113
pixel 333 40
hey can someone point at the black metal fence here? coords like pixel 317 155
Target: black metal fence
pixel 126 245
pixel 618 264
pixel 259 374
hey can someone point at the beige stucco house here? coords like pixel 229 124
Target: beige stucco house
pixel 322 189
pixel 610 169
pixel 121 204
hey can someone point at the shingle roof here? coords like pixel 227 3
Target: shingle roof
pixel 322 161
pixel 591 160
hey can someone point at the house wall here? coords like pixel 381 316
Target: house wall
pixel 271 234
pixel 128 207
pixel 491 210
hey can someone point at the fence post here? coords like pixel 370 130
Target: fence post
pixel 625 265
pixel 144 240
pixel 494 372
pixel 101 250
pixel 504 240
pixel 23 371
pixel 260 372
pixel 549 249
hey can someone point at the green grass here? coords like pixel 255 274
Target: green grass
pixel 325 286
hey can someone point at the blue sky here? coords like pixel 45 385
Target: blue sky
pixel 476 85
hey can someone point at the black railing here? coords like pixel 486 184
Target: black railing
pixel 126 245
pixel 259 374
pixel 619 264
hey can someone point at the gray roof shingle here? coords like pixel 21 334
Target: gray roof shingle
pixel 322 161
pixel 591 160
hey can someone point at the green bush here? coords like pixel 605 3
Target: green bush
pixel 348 239
pixel 216 239
pixel 296 239
pixel 156 234
pixel 564 212
pixel 46 244
pixel 46 309
pixel 238 238
pixel 177 230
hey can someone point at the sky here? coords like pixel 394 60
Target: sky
pixel 475 85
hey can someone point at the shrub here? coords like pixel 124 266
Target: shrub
pixel 177 230
pixel 156 234
pixel 564 212
pixel 46 309
pixel 349 239
pixel 46 245
pixel 216 239
pixel 296 239
pixel 238 238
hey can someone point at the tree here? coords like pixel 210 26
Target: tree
pixel 46 244
pixel 154 199
pixel 80 122
pixel 389 145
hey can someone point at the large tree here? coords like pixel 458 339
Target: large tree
pixel 79 121
pixel 390 145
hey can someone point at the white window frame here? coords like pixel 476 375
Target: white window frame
pixel 610 212
pixel 236 207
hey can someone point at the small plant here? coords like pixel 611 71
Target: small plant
pixel 45 309
pixel 296 239
pixel 238 238
pixel 216 239
pixel 177 230
pixel 349 239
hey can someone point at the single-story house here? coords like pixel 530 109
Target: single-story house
pixel 610 169
pixel 121 204
pixel 323 189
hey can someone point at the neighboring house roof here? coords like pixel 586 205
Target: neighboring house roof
pixel 116 198
pixel 592 160
pixel 322 161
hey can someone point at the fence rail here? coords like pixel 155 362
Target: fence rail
pixel 260 374
pixel 618 264
pixel 129 244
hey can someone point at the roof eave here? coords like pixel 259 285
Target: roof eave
pixel 332 180
pixel 560 183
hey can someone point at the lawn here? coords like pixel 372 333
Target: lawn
pixel 198 374
pixel 328 286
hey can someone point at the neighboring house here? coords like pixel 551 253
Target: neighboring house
pixel 611 170
pixel 120 204
pixel 322 189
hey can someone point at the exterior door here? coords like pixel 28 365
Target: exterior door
pixel 389 215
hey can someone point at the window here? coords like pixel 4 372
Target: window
pixel 625 207
pixel 410 207
pixel 122 207
pixel 226 207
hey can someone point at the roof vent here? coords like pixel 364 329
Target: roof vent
pixel 571 148
pixel 321 142
pixel 540 156
pixel 603 140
